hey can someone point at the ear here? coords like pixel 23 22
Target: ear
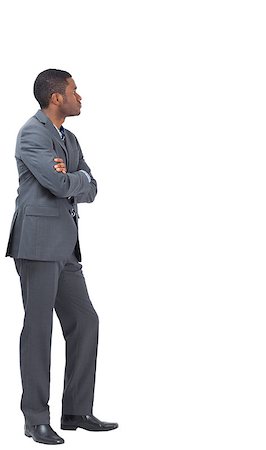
pixel 57 99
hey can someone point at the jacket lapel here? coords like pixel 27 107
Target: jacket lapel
pixel 53 131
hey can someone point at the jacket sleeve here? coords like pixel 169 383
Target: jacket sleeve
pixel 36 151
pixel 90 195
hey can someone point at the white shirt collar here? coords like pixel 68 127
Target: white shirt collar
pixel 58 130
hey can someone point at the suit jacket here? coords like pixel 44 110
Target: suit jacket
pixel 43 227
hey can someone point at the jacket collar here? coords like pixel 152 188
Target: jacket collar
pixel 43 118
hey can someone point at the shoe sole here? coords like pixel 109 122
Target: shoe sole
pixel 67 427
pixel 73 428
pixel 42 442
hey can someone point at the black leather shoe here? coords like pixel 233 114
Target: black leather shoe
pixel 43 434
pixel 69 422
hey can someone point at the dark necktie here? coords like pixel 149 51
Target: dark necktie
pixel 62 131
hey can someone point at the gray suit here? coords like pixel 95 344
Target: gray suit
pixel 42 227
pixel 44 244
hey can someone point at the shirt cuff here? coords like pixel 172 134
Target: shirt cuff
pixel 87 175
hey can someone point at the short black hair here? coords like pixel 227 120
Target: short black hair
pixel 47 83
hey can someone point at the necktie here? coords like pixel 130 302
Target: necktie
pixel 62 131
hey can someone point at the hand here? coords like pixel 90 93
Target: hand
pixel 60 167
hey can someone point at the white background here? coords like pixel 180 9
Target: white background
pixel 174 248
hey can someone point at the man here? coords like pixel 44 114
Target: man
pixel 53 178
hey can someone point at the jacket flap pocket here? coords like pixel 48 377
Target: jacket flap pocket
pixel 41 211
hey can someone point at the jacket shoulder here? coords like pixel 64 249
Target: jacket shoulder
pixel 32 124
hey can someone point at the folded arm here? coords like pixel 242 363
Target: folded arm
pixel 35 150
pixel 90 195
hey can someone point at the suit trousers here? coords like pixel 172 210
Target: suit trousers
pixel 59 285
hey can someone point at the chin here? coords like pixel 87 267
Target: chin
pixel 74 114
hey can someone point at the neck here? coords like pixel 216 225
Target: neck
pixel 54 117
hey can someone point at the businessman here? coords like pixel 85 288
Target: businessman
pixel 53 178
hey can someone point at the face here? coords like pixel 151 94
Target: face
pixel 71 103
